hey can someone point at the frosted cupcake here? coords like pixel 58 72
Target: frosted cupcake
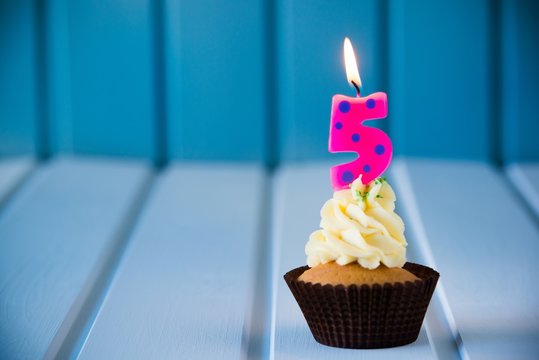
pixel 358 291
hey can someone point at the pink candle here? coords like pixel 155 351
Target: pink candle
pixel 348 134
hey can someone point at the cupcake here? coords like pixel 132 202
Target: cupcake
pixel 357 290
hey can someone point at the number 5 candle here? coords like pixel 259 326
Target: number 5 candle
pixel 348 134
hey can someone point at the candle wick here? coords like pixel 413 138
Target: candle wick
pixel 357 88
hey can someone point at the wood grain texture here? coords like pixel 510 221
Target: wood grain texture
pixel 484 244
pixel 300 192
pixel 18 77
pixel 311 67
pixel 440 78
pixel 525 178
pixel 183 287
pixel 54 234
pixel 101 71
pixel 216 86
pixel 12 173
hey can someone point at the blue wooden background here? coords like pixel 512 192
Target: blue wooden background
pixel 252 80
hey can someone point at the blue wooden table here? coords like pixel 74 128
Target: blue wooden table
pixel 104 258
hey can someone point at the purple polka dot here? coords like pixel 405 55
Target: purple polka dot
pixel 371 104
pixel 379 149
pixel 347 177
pixel 355 137
pixel 338 125
pixel 366 168
pixel 344 106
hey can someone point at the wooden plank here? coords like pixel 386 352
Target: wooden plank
pixel 300 192
pixel 525 178
pixel 311 68
pixel 18 78
pixel 56 235
pixel 101 71
pixel 440 78
pixel 184 284
pixel 216 81
pixel 520 76
pixel 484 243
pixel 439 322
pixel 12 173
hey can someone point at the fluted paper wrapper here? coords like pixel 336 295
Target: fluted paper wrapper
pixel 365 317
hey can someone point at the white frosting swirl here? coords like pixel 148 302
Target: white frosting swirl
pixel 359 224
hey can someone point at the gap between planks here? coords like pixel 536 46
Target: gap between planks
pixel 472 226
pixel 440 323
pixel 523 185
pixel 76 326
pixel 256 332
pixel 74 208
pixel 13 175
pixel 165 317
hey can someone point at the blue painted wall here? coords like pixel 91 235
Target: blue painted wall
pixel 216 86
pixel 101 79
pixel 440 78
pixel 18 77
pixel 518 94
pixel 311 68
pixel 252 80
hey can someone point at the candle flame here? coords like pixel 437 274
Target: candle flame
pixel 352 73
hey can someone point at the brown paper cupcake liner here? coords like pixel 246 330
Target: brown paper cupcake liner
pixel 365 317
